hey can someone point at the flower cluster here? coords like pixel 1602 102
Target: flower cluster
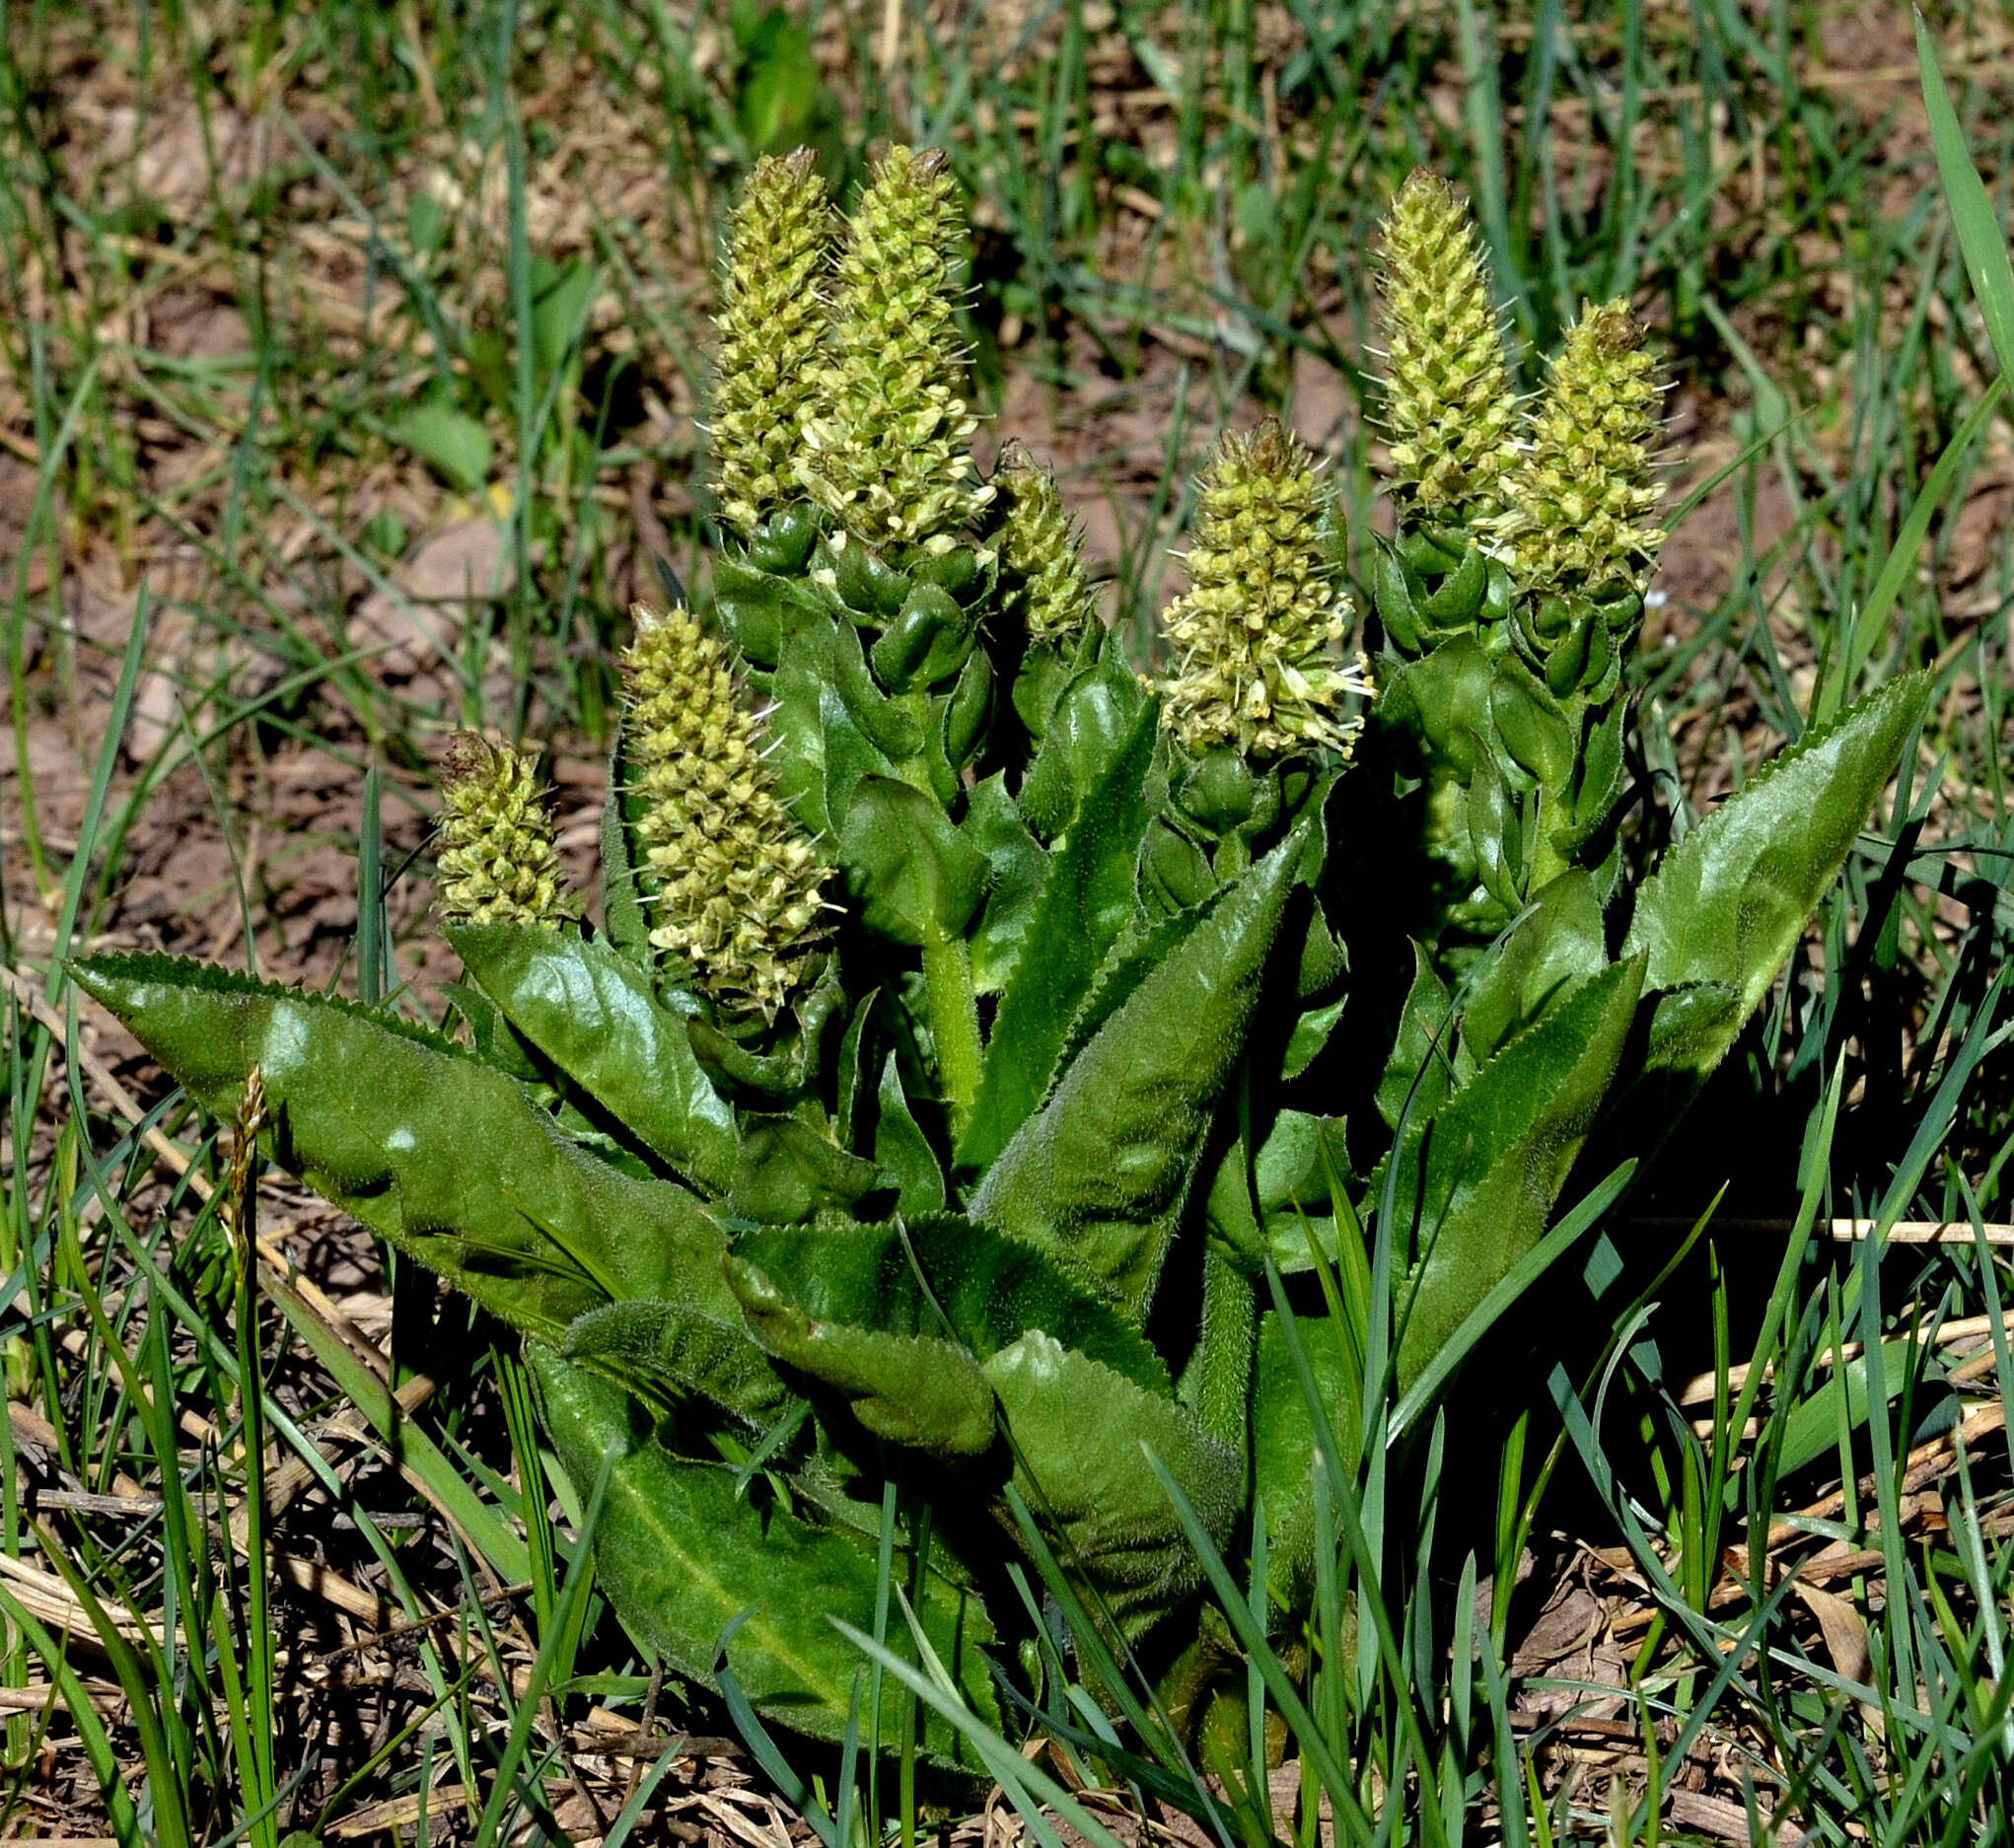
pixel 1259 634
pixel 1043 548
pixel 496 860
pixel 885 440
pixel 769 329
pixel 1449 414
pixel 1581 498
pixel 738 885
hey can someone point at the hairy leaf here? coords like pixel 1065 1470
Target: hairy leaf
pixel 1476 1187
pixel 1018 873
pixel 1729 901
pixel 434 1150
pixel 918 1390
pixel 1085 905
pixel 941 1275
pixel 665 1351
pixel 1284 1439
pixel 595 1014
pixel 1078 1430
pixel 916 877
pixel 788 1171
pixel 1099 1175
pixel 684 1553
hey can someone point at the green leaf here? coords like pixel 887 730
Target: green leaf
pixel 787 1172
pixel 682 1553
pixel 430 1148
pixel 1284 1445
pixel 918 1390
pixel 1531 721
pixel 1475 1189
pixel 595 1014
pixel 491 1034
pixel 1561 940
pixel 915 876
pixel 1418 1075
pixel 1100 1175
pixel 664 1351
pixel 449 440
pixel 759 609
pixel 1081 1433
pixel 928 640
pixel 1085 730
pixel 1981 234
pixel 940 1274
pixel 1017 875
pixel 1085 905
pixel 1728 903
pixel 903 1151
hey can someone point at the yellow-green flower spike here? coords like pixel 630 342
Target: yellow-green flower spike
pixel 1450 414
pixel 1259 634
pixel 1042 545
pixel 770 329
pixel 1580 519
pixel 496 860
pixel 887 445
pixel 738 883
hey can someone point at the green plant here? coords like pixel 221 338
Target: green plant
pixel 942 1117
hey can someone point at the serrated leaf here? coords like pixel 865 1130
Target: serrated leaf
pixel 786 1172
pixel 1284 1441
pixel 1728 903
pixel 664 1351
pixel 1018 872
pixel 438 1152
pixel 1084 730
pixel 1476 1187
pixel 1419 1072
pixel 944 1275
pixel 1561 940
pixel 595 1014
pixel 683 1554
pixel 1100 1175
pixel 918 1390
pixel 1080 1432
pixel 1085 905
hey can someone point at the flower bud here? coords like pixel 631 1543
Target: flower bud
pixel 885 444
pixel 738 883
pixel 1449 414
pixel 770 329
pixel 496 860
pixel 1259 634
pixel 1042 547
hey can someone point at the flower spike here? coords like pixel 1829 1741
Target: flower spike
pixel 770 329
pixel 1042 545
pixel 1450 414
pixel 1259 631
pixel 496 858
pixel 887 444
pixel 739 883
pixel 1582 500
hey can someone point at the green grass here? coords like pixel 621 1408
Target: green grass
pixel 1178 207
